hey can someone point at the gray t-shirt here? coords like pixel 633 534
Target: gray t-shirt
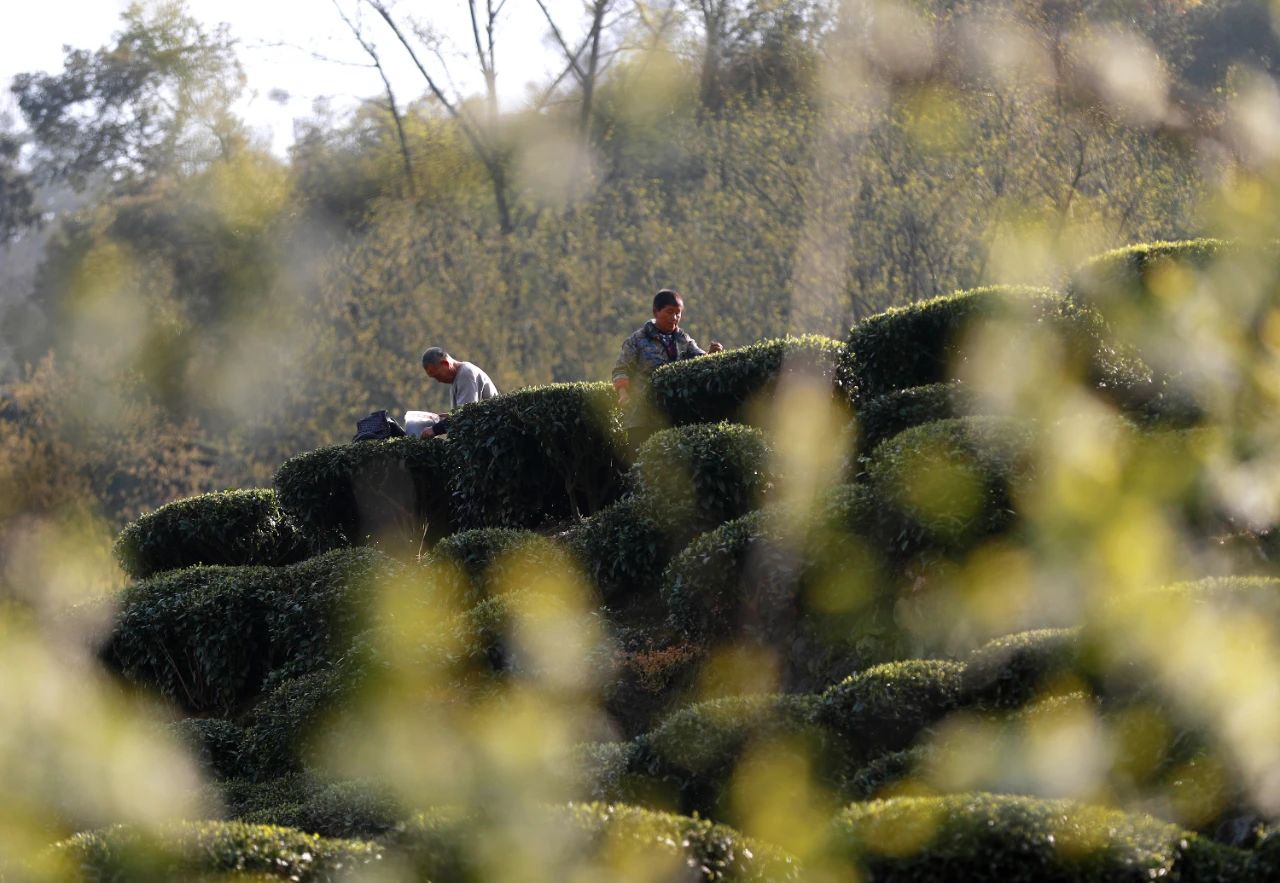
pixel 471 385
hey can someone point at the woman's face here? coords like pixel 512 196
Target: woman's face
pixel 668 318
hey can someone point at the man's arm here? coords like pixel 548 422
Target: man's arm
pixel 622 369
pixel 695 350
pixel 626 361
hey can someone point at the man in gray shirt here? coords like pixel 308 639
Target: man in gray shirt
pixel 468 382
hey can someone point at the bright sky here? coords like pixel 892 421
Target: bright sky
pixel 279 40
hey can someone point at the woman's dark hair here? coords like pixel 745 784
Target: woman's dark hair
pixel 665 298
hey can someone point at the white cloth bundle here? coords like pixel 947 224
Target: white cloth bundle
pixel 416 421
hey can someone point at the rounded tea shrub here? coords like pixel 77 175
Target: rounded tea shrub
pixel 342 808
pixel 659 846
pixel 703 586
pixel 721 386
pixel 885 416
pixel 694 849
pixel 211 638
pixel 276 730
pixel 886 707
pixel 216 744
pixel 708 473
pixel 1006 839
pixel 231 527
pixel 602 769
pixel 492 557
pixel 1011 671
pixel 693 753
pixel 820 600
pixel 884 773
pixel 395 488
pixel 923 343
pixel 1134 288
pixel 624 548
pixel 201 850
pixel 949 484
pixel 1123 276
pixel 537 456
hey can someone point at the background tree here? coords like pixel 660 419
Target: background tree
pixel 156 101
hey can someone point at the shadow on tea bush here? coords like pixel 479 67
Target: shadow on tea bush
pixel 721 386
pixel 391 490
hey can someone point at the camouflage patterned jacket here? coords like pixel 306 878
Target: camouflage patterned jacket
pixel 642 352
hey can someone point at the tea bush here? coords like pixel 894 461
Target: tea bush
pixel 329 808
pixel 699 848
pixel 650 679
pixel 448 846
pixel 1121 284
pixel 1121 278
pixel 885 416
pixel 984 837
pixel 1011 671
pixel 923 343
pixel 706 474
pixel 393 489
pixel 949 484
pixel 693 753
pixel 719 387
pixel 886 707
pixel 489 557
pixel 624 548
pixel 213 850
pixel 475 650
pixel 277 728
pixel 539 455
pixel 231 527
pixel 216 744
pixel 196 850
pixel 821 600
pixel 210 638
pixel 703 586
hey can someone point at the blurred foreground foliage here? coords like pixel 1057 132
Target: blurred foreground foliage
pixel 981 581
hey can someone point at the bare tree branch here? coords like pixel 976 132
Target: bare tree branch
pixel 571 55
pixel 489 154
pixel 372 52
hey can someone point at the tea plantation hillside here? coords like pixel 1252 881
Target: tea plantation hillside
pixel 959 597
